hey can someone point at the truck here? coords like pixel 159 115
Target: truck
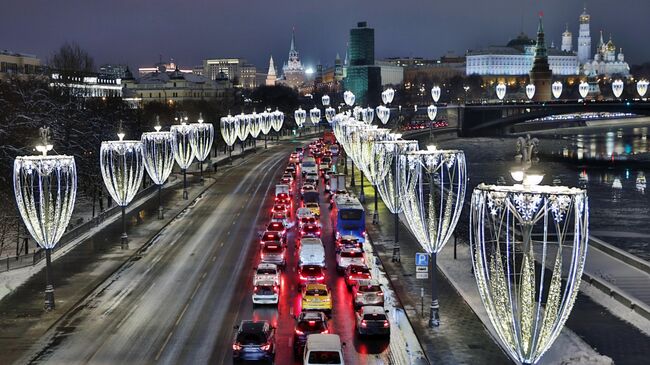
pixel 337 183
pixel 282 188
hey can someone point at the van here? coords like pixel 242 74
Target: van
pixel 311 252
pixel 323 349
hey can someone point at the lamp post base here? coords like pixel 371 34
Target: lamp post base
pixel 396 254
pixel 161 212
pixel 124 240
pixel 49 288
pixel 434 315
pixel 49 298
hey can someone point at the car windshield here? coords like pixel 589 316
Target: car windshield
pixel 324 357
pixel 321 292
pixel 359 270
pixel 350 214
pixel 374 317
pixel 351 254
pixel 307 326
pixel 369 288
pixel 266 271
pixel 251 338
pixel 273 248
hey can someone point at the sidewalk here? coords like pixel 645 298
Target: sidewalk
pixel 465 335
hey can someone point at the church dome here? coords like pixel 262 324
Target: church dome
pixel 522 40
pixel 610 46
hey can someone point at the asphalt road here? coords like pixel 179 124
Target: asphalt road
pixel 178 301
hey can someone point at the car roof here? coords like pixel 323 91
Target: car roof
pixel 315 286
pixel 372 309
pixel 311 241
pixel 265 283
pixel 251 326
pixel 311 203
pixel 323 341
pixel 367 282
pixel 303 210
pixel 351 249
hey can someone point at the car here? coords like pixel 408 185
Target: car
pixel 324 348
pixel 311 273
pixel 334 149
pixel 254 340
pixel 372 320
pixel 281 217
pixel 367 292
pixel 308 220
pixel 280 208
pixel 323 166
pixel 266 292
pixel 272 237
pixel 310 230
pixel 291 170
pixel 307 323
pixel 348 242
pixel 353 273
pixel 349 256
pixel 314 207
pixel 288 177
pixel 316 296
pixel 303 212
pixel 279 228
pixel 294 158
pixel 311 181
pixel 266 272
pixel 285 199
pixel 313 176
pixel 307 188
pixel 273 253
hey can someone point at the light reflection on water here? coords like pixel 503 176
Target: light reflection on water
pixel 619 209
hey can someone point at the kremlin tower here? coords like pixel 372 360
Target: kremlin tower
pixel 540 74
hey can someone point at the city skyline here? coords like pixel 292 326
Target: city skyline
pixel 160 32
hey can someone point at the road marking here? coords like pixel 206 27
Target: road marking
pixel 187 305
pixel 221 245
pixel 228 234
pixel 204 274
pixel 164 344
pixel 194 293
pixel 214 258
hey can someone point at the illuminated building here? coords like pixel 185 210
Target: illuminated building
pixel 271 76
pixel 18 64
pixel 363 77
pixel 237 70
pixel 540 74
pixel 293 71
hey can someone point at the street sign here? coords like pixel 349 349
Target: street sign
pixel 421 259
pixel 421 269
pixel 421 275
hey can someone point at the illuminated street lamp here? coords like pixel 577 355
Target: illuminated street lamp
pixel 432 191
pixel 329 114
pixel 556 89
pixel 278 120
pixel 368 138
pixel 202 138
pixel 435 93
pixel 122 166
pixel 242 127
pixel 300 116
pixel 45 188
pixel 368 115
pixel 265 125
pixel 583 89
pixel 183 152
pixel 255 127
pixel 642 87
pixel 387 95
pixel 501 90
pixel 617 88
pixel 513 229
pixel 530 91
pixel 158 154
pixel 349 98
pixel 314 116
pixel 325 100
pixel 383 113
pixel 229 132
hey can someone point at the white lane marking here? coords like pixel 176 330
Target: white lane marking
pixel 164 345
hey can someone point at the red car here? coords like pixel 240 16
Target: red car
pixel 310 230
pixel 277 227
pixel 311 274
pixel 283 198
pixel 280 208
pixel 353 273
pixel 348 242
pixel 307 220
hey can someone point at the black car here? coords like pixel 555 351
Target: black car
pixel 307 323
pixel 255 340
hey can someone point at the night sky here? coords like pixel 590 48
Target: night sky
pixel 136 32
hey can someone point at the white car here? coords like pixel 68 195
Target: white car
pixel 266 272
pixel 266 292
pixel 303 212
pixel 349 256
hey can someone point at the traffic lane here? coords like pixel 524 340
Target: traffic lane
pixel 154 304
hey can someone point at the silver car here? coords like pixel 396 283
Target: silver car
pixel 273 253
pixel 367 292
pixel 267 272
pixel 349 256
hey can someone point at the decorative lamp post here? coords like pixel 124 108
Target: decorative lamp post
pixel 435 93
pixel 202 139
pixel 325 100
pixel 513 229
pixel 501 90
pixel 278 121
pixel 349 98
pixel 642 87
pixel 255 127
pixel 556 89
pixel 314 116
pixel 432 112
pixel 242 126
pixel 265 125
pixel 183 152
pixel 122 166
pixel 383 113
pixel 388 95
pixel 387 163
pixel 617 88
pixel 368 115
pixel 373 172
pixel 45 188
pixel 158 154
pixel 530 91
pixel 432 191
pixel 300 117
pixel 583 89
pixel 329 114
pixel 229 132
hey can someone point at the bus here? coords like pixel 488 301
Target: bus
pixel 350 218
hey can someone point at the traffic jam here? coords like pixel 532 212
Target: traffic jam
pixel 312 262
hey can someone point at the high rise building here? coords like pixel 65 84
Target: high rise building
pixel 584 38
pixel 294 73
pixel 363 77
pixel 271 76
pixel 540 74
pixel 237 70
pixel 567 40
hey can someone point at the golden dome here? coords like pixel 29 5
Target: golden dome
pixel 610 46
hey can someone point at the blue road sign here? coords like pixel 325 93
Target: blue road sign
pixel 421 259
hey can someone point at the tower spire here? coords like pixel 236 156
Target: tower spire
pixel 293 39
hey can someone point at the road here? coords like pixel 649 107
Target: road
pixel 178 301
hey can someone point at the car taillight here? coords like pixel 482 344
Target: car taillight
pixel 386 324
pixel 320 277
pixel 382 294
pixel 236 347
pixel 299 332
pixel 266 347
pixel 363 323
pixel 275 289
pixel 255 289
pixel 325 331
pixel 350 277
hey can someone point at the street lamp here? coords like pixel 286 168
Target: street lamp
pixel 387 95
pixel 300 117
pixel 432 191
pixel 265 125
pixel 277 121
pixel 202 138
pixel 383 113
pixel 183 152
pixel 642 87
pixel 366 159
pixel 583 89
pixel 501 90
pixel 466 88
pixel 242 126
pixel 349 98
pixel 513 229
pixel 617 88
pixel 229 132
pixel 158 154
pixel 255 127
pixel 325 100
pixel 314 116
pixel 435 93
pixel 556 89
pixel 530 91
pixel 387 162
pixel 122 166
pixel 329 114
pixel 45 188
pixel 432 112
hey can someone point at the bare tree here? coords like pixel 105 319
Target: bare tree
pixel 71 57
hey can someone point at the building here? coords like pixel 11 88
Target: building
pixel 540 74
pixel 161 67
pixel 175 86
pixel 271 76
pixel 12 63
pixel 584 38
pixel 606 61
pixel 363 77
pixel 87 84
pixel 418 71
pixel 116 71
pixel 516 59
pixel 391 74
pixel 567 41
pixel 241 73
pixel 293 71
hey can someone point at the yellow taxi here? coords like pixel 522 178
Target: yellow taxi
pixel 316 297
pixel 314 207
